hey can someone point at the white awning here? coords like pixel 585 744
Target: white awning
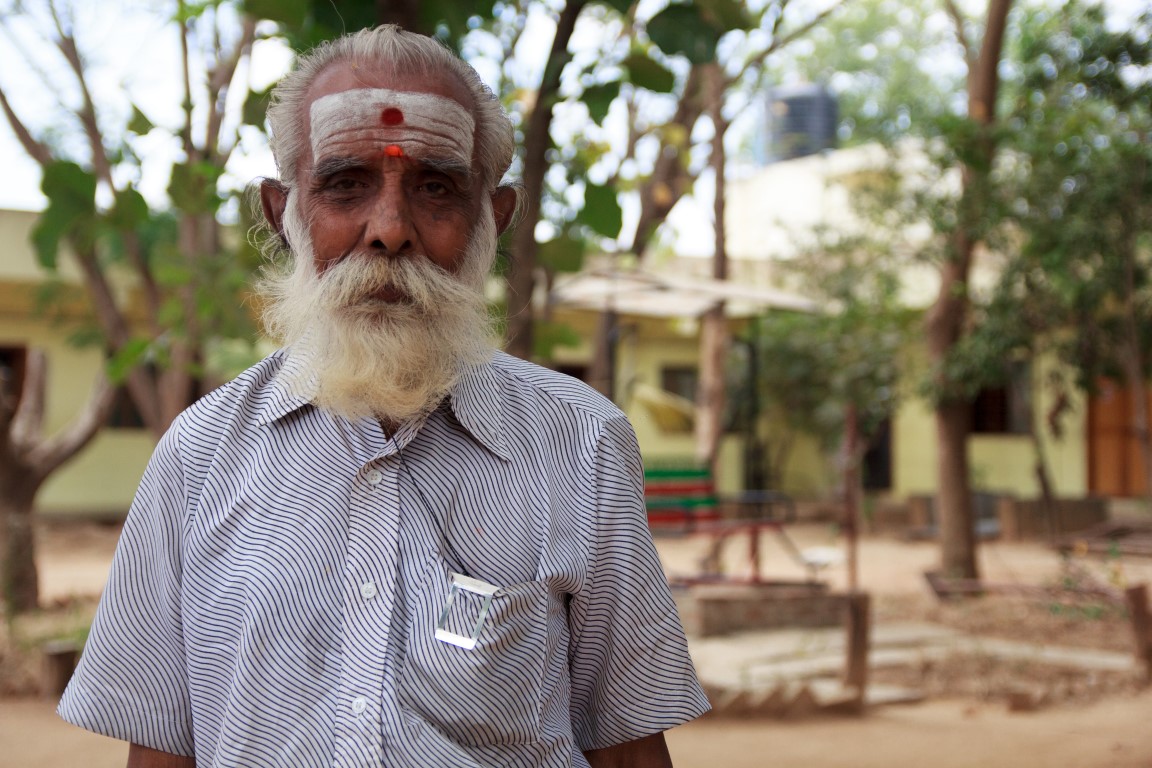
pixel 638 292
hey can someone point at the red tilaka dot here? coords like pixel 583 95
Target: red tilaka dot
pixel 391 116
pixel 393 150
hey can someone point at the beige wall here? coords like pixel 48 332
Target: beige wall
pixel 102 478
pixel 1000 463
pixel 646 346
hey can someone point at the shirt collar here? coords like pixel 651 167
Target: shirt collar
pixel 477 401
pixel 282 399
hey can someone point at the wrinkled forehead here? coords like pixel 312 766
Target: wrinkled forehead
pixel 423 126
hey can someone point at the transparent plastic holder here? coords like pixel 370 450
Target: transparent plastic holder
pixel 464 583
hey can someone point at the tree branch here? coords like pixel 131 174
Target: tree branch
pixel 61 447
pixel 27 419
pixel 986 82
pixel 667 183
pixel 35 149
pixel 186 129
pixel 87 111
pixel 221 81
pixel 961 34
pixel 779 42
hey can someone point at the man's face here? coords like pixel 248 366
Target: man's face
pixel 392 235
pixel 389 168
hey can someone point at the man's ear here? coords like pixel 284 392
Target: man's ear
pixel 504 207
pixel 274 200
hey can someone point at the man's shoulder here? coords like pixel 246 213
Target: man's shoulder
pixel 553 387
pixel 253 394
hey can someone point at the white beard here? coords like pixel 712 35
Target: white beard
pixel 357 356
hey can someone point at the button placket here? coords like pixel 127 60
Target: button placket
pixel 369 568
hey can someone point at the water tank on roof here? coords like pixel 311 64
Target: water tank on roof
pixel 801 121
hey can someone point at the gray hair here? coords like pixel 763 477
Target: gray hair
pixel 406 52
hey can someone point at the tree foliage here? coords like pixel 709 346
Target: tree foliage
pixel 162 283
pixel 1080 194
pixel 817 367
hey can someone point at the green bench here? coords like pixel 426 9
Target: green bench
pixel 679 496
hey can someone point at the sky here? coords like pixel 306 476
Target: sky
pixel 134 58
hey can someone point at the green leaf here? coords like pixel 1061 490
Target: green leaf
pixel 71 193
pixel 171 272
pixel 454 15
pixel 126 358
pixel 601 210
pixel 725 14
pixel 46 235
pixel 139 124
pixel 682 30
pixel 564 254
pixel 599 98
pixel 193 187
pixel 644 72
pixel 623 6
pixel 256 107
pixel 547 335
pixel 291 13
pixel 130 210
pixel 69 187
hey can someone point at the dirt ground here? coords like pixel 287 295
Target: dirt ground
pixel 954 729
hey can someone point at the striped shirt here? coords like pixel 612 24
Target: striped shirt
pixel 276 592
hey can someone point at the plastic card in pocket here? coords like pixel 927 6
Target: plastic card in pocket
pixel 466 584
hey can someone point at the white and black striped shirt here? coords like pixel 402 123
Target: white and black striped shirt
pixel 276 590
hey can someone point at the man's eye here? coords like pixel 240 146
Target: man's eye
pixel 343 184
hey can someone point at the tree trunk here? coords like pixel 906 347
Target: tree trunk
pixel 521 279
pixel 947 317
pixel 1044 482
pixel 710 389
pixel 954 496
pixel 27 459
pixel 602 371
pixel 18 575
pixel 714 336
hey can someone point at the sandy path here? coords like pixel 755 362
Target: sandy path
pixel 1111 734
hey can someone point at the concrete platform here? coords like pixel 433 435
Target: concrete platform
pixel 796 672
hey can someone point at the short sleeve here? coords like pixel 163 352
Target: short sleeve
pixel 131 683
pixel 630 669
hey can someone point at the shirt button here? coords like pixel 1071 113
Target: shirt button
pixel 375 476
pixel 368 590
pixel 359 704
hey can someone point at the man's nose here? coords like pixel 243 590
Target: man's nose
pixel 389 229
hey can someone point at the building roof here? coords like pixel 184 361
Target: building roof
pixel 640 292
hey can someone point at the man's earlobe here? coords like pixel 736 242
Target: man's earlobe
pixel 274 200
pixel 504 201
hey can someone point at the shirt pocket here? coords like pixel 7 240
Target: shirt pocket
pixel 487 695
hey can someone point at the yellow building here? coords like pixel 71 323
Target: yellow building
pixel 101 479
pixel 769 214
pixel 656 361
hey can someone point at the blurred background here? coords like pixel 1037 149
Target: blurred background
pixel 930 289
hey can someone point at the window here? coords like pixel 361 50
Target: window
pixel 12 366
pixel 1005 410
pixel 680 380
pixel 124 414
pixel 574 370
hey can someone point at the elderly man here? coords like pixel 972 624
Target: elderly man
pixel 388 544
